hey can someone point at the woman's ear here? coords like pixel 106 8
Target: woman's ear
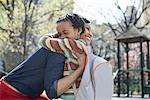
pixel 80 31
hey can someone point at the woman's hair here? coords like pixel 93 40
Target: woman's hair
pixel 85 20
pixel 77 21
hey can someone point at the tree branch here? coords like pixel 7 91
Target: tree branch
pixel 4 6
pixel 142 27
pixel 132 15
pixel 13 4
pixel 2 39
pixel 121 27
pixel 5 30
pixel 143 10
pixel 124 16
pixel 113 30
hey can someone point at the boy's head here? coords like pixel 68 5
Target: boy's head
pixel 70 26
pixel 74 26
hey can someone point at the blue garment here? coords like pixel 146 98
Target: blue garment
pixel 37 73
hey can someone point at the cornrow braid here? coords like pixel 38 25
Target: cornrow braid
pixel 76 20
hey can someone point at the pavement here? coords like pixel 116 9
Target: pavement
pixel 123 97
pixel 116 98
pixel 134 97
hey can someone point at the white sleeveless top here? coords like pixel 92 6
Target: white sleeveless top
pixel 97 80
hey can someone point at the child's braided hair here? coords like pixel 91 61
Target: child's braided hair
pixel 76 20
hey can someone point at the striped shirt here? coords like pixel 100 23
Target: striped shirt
pixel 66 46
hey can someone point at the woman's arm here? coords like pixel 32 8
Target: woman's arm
pixel 65 83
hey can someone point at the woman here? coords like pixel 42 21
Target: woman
pixel 97 79
pixel 42 71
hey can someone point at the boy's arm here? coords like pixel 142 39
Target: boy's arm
pixel 50 43
pixel 61 45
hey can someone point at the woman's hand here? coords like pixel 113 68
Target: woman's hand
pixel 81 60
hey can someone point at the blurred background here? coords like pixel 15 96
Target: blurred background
pixel 23 22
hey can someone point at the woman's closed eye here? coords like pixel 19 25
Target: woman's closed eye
pixel 88 28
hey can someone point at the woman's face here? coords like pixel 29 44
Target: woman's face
pixel 87 35
pixel 66 30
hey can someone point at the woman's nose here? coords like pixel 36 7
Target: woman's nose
pixel 90 34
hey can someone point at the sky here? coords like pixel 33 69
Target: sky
pixel 96 9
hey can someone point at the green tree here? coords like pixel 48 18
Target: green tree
pixel 22 21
